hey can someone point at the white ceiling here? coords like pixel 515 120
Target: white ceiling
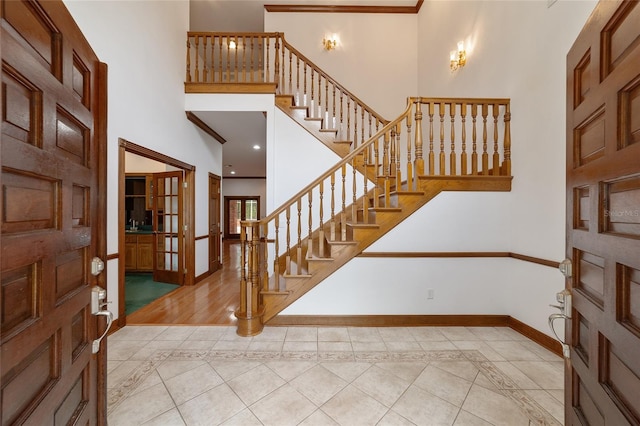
pixel 242 130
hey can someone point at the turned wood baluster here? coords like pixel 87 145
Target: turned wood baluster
pixel 452 154
pixel 496 155
pixel 333 106
pixel 349 123
pixel 228 60
pixel 386 167
pixel 291 74
pixel 326 104
pixel 376 170
pixel 288 258
pixel 321 227
pixel 263 52
pixel 243 269
pixel 485 155
pixel 507 141
pixel 309 239
pixel 396 149
pixel 354 203
pixel 297 80
pixel 252 47
pixel 276 254
pixel 264 242
pixel 311 111
pixel 365 196
pixel 474 137
pixel 362 127
pixel 304 90
pixel 253 296
pixel 319 95
pixel 299 245
pixel 220 68
pixel 442 156
pixel 197 75
pixel 236 66
pixel 419 162
pixel 341 129
pixel 332 236
pixel 244 58
pixel 355 124
pixel 205 65
pixel 463 156
pixel 188 76
pixel 343 218
pixel 409 163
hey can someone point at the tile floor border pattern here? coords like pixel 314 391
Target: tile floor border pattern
pixel 504 384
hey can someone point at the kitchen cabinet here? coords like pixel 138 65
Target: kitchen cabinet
pixel 138 250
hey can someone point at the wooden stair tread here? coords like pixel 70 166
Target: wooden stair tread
pixel 297 276
pixel 276 292
pixel 347 243
pixel 329 130
pixel 385 209
pixel 363 225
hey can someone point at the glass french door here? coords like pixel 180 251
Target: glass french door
pixel 168 228
pixel 238 209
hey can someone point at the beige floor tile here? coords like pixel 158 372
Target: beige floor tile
pixel 176 333
pixel 212 407
pixel 112 364
pixel 404 346
pixel 154 346
pixel 333 334
pixel 394 419
pixel 122 350
pixel 265 346
pixel 197 344
pixel 396 334
pixel 404 370
pixel 482 380
pixel 299 346
pixel 284 407
pixel 458 333
pixel 255 384
pixel 467 419
pixel 302 334
pixel 513 351
pixel 494 408
pixel 521 380
pixel 137 333
pixel 243 418
pixel 170 418
pixel 424 408
pixel 544 374
pixel 122 373
pixel 192 383
pixel 231 345
pixel 141 407
pixel 276 334
pixel 542 352
pixel 463 369
pixel 231 369
pixel 558 394
pixel 480 346
pixel 318 384
pixel 489 333
pixel 369 346
pixel 425 334
pixel 364 334
pixel 438 345
pixel 348 371
pixel 382 385
pixel 353 407
pixel 211 333
pixel 318 418
pixel 333 346
pixel 549 403
pixel 169 369
pixel 151 380
pixel 443 384
pixel 289 370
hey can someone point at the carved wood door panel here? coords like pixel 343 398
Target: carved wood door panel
pixel 52 217
pixel 603 218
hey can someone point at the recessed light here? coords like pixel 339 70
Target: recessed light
pixel 229 165
pixel 233 172
pixel 256 147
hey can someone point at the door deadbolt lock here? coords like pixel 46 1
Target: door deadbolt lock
pixel 97 266
pixel 566 268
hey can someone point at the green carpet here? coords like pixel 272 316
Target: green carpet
pixel 140 290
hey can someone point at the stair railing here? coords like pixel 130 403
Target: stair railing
pixel 218 59
pixel 444 138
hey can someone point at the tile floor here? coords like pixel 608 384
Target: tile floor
pixel 207 375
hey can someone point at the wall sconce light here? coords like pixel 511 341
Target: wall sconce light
pixel 330 43
pixel 458 58
pixel 232 44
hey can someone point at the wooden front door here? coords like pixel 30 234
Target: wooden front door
pixel 214 223
pixel 603 218
pixel 237 209
pixel 168 262
pixel 52 218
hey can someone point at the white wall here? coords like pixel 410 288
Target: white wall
pixel 375 60
pixel 143 44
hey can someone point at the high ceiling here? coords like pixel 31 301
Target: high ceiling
pixel 242 130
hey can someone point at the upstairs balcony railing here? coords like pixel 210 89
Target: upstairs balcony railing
pixel 433 139
pixel 258 62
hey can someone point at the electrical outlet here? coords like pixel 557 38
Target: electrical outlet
pixel 430 293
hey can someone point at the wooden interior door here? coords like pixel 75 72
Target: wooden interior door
pixel 214 223
pixel 603 218
pixel 168 261
pixel 52 220
pixel 238 208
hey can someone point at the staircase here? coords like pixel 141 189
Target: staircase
pixel 388 171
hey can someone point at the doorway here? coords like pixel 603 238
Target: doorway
pixel 237 209
pixel 155 234
pixel 215 262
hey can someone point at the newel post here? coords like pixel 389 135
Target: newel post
pixel 251 310
pixel 507 141
pixel 419 161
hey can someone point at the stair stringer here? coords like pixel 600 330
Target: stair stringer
pixel 362 237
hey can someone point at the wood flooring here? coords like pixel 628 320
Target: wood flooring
pixel 212 301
